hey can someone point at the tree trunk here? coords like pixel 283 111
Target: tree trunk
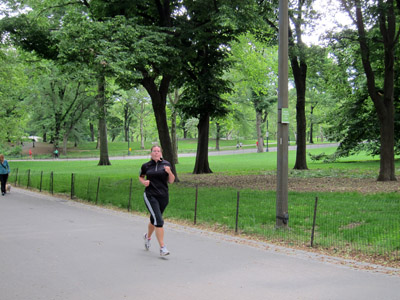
pixel 299 68
pixel 387 163
pixel 141 134
pixel 217 138
pixel 57 130
pixel 173 126
pixel 299 73
pixel 383 101
pixel 126 122
pixel 101 102
pixel 311 125
pixel 202 166
pixel 174 137
pixel 91 131
pixel 159 100
pixel 260 138
pixel 98 139
pixel 65 143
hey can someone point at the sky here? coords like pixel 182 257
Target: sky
pixel 328 8
pixel 331 14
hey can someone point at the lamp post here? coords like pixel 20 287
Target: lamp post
pixel 282 214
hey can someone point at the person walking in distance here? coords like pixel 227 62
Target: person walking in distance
pixel 155 176
pixel 4 171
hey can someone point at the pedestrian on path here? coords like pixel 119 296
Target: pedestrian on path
pixel 56 153
pixel 4 171
pixel 155 176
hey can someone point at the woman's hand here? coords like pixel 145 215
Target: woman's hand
pixel 167 169
pixel 145 182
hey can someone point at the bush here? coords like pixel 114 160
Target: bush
pixel 8 150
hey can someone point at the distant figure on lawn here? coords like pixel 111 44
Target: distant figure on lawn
pixel 56 153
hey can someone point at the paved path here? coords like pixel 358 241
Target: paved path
pixel 52 248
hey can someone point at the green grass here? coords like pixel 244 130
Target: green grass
pixel 88 149
pixel 242 164
pixel 346 222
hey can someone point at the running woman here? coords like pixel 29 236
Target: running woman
pixel 155 176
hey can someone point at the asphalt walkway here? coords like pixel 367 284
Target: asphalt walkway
pixel 53 248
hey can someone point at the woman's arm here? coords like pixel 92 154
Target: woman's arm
pixel 145 182
pixel 171 176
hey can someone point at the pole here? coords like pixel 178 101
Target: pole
pixel 72 186
pixel 130 196
pixel 237 211
pixel 195 204
pixel 313 225
pixel 282 214
pixel 97 193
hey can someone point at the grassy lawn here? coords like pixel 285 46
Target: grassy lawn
pixel 88 149
pixel 349 223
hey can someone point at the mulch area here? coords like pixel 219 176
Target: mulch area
pixel 268 182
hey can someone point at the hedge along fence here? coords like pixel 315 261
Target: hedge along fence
pixel 366 224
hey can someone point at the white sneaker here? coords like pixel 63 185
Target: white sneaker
pixel 164 251
pixel 146 242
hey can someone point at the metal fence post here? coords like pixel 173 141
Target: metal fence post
pixel 29 178
pixel 87 193
pixel 237 211
pixel 313 226
pixel 98 187
pixel 16 177
pixel 41 181
pixel 130 196
pixel 72 185
pixel 195 204
pixel 52 183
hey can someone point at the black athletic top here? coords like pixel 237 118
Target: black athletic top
pixel 155 172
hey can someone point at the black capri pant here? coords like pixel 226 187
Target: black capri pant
pixel 156 206
pixel 3 179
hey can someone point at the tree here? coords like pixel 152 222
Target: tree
pixel 211 27
pixel 147 52
pixel 138 103
pixel 298 61
pixel 13 90
pixel 173 101
pixel 59 101
pixel 376 21
pixel 255 75
pixel 53 32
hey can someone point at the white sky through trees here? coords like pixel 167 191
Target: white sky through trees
pixel 332 17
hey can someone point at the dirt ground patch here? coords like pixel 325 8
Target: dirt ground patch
pixel 268 182
pixel 39 149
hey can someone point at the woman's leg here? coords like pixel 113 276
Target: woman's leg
pixel 160 230
pixel 3 182
pixel 150 230
pixel 160 236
